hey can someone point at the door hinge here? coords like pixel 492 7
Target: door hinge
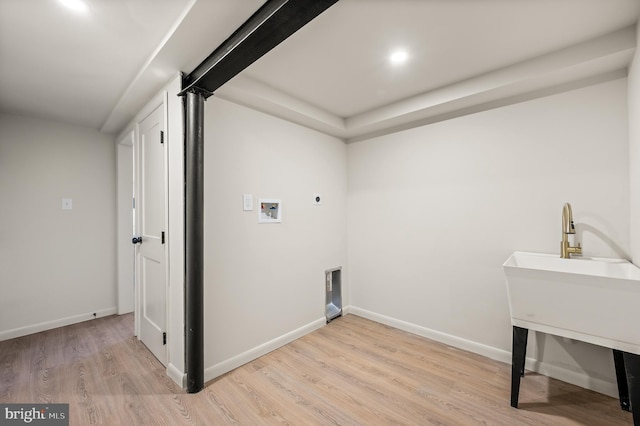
pixel 161 136
pixel 164 338
pixel 162 237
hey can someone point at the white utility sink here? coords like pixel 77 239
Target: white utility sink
pixel 596 300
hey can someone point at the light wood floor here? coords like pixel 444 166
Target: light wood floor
pixel 351 372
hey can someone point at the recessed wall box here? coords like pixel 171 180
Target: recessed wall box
pixel 270 211
pixel 333 293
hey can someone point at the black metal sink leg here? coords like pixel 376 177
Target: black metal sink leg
pixel 621 377
pixel 518 356
pixel 632 367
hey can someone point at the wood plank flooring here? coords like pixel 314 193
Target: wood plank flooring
pixel 351 372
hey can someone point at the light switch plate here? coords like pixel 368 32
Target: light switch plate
pixel 247 202
pixel 67 204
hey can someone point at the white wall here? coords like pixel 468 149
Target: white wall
pixel 56 267
pixel 264 283
pixel 634 152
pixel 434 211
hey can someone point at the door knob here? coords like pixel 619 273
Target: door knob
pixel 136 240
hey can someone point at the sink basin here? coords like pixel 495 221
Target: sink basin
pixel 596 300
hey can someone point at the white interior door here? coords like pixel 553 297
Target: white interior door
pixel 151 270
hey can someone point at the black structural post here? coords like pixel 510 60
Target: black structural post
pixel 194 242
pixel 271 24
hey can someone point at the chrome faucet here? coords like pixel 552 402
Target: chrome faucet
pixel 566 250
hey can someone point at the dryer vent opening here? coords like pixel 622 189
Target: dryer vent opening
pixel 333 293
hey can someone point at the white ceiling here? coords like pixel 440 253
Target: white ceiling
pixel 339 62
pixel 98 68
pixel 101 66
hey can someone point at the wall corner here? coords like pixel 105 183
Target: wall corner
pixel 633 99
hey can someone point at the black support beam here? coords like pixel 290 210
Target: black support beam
pixel 274 22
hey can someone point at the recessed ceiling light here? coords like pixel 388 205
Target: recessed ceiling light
pixel 399 57
pixel 75 5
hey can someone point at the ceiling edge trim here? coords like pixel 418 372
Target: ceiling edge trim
pixel 120 113
pixel 254 94
pixel 487 104
pixel 596 60
pixel 584 54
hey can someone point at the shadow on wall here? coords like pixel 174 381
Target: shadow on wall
pixel 586 361
pixel 583 227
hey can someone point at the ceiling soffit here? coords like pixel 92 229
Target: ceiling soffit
pixel 596 60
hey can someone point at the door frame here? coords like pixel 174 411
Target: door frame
pixel 125 226
pixel 174 138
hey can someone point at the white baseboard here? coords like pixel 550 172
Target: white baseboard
pixel 223 367
pixel 550 370
pixel 574 377
pixel 177 376
pixel 48 325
